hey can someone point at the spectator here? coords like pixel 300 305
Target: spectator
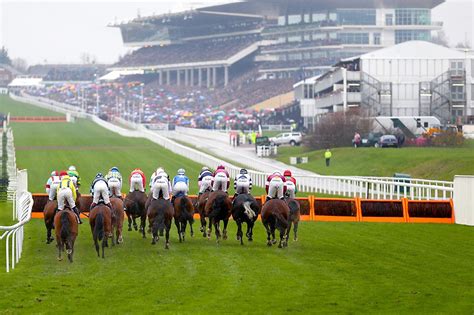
pixel 327 156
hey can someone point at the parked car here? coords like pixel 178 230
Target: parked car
pixel 291 138
pixel 387 141
pixel 371 140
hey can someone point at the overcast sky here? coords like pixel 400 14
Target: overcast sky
pixel 60 31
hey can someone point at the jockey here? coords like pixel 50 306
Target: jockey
pixel 137 180
pixel 180 184
pixel 155 173
pixel 74 174
pixel 275 186
pixel 100 190
pixel 242 183
pixel 52 185
pixel 161 184
pixel 114 179
pixel 205 180
pixel 221 179
pixel 67 192
pixel 290 184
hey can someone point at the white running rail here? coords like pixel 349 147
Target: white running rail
pixel 348 186
pixel 14 234
pixel 11 166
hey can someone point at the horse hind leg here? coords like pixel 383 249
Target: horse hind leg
pixel 129 218
pixel 267 227
pixel 218 231
pixel 224 232
pixel 249 233
pixel 177 223
pixel 191 227
pixel 240 234
pixel 167 244
pixel 104 245
pixel 60 249
pixel 142 225
pixel 288 232
pixel 183 228
pixel 96 244
pixel 295 230
pixel 209 229
pixel 272 228
pixel 69 250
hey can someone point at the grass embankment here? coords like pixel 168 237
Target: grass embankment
pixel 429 163
pixel 7 105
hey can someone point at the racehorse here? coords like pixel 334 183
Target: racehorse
pixel 117 219
pixel 200 206
pixel 134 205
pixel 66 232
pixel 275 213
pixel 218 207
pixel 245 209
pixel 294 217
pixel 100 219
pixel 48 214
pixel 183 213
pixel 160 215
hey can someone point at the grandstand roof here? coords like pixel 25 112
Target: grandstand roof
pixel 280 7
pixel 414 49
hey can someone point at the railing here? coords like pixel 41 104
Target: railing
pixel 11 167
pixel 347 186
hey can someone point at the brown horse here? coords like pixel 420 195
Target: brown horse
pixel 134 205
pixel 160 215
pixel 48 214
pixel 200 206
pixel 100 219
pixel 218 207
pixel 275 213
pixel 183 213
pixel 117 219
pixel 245 209
pixel 294 217
pixel 66 232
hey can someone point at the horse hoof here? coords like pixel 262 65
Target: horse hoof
pixel 250 239
pixel 120 240
pixel 153 242
pixel 238 238
pixel 69 252
pixel 295 239
pixel 269 243
pixel 279 246
pixel 60 259
pixel 167 246
pixel 224 237
pixel 274 242
pixel 129 228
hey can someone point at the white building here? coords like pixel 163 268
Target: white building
pixel 414 78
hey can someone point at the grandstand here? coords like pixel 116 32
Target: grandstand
pixel 67 72
pixel 289 39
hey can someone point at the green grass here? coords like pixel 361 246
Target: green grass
pixel 7 105
pixel 429 163
pixel 333 268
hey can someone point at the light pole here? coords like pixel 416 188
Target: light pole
pixel 140 112
pixel 96 94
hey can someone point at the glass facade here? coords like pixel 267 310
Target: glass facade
pixel 412 17
pixel 354 38
pixel 356 16
pixel 406 35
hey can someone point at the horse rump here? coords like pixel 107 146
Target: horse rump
pixel 99 227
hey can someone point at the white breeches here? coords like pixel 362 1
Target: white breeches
pixel 136 183
pixel 206 183
pixel 100 190
pixel 115 187
pixel 53 190
pixel 180 187
pixel 243 186
pixel 220 182
pixel 290 189
pixel 65 194
pixel 161 185
pixel 275 188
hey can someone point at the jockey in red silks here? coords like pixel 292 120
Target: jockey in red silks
pixel 52 185
pixel 137 180
pixel 290 184
pixel 275 186
pixel 221 179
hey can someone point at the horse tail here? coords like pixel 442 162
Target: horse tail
pixel 218 204
pixel 249 211
pixel 99 226
pixel 294 207
pixel 159 223
pixel 185 215
pixel 280 220
pixel 65 228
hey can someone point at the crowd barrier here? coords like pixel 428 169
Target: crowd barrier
pixel 336 209
pixel 39 119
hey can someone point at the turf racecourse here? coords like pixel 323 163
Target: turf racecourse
pixel 333 268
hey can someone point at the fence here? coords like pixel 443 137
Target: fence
pixel 14 234
pixel 11 165
pixel 347 186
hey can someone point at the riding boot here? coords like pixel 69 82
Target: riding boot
pixel 109 205
pixel 172 200
pixel 267 199
pixel 76 212
pixel 92 206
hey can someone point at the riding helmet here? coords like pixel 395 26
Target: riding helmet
pixel 72 168
pixel 54 173
pixel 99 175
pixel 287 173
pixel 63 173
pixel 114 169
pixel 221 167
pixel 181 171
pixel 243 171
pixel 204 168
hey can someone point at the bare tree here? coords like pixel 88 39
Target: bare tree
pixel 87 59
pixel 441 39
pixel 4 58
pixel 20 64
pixel 465 44
pixel 337 129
